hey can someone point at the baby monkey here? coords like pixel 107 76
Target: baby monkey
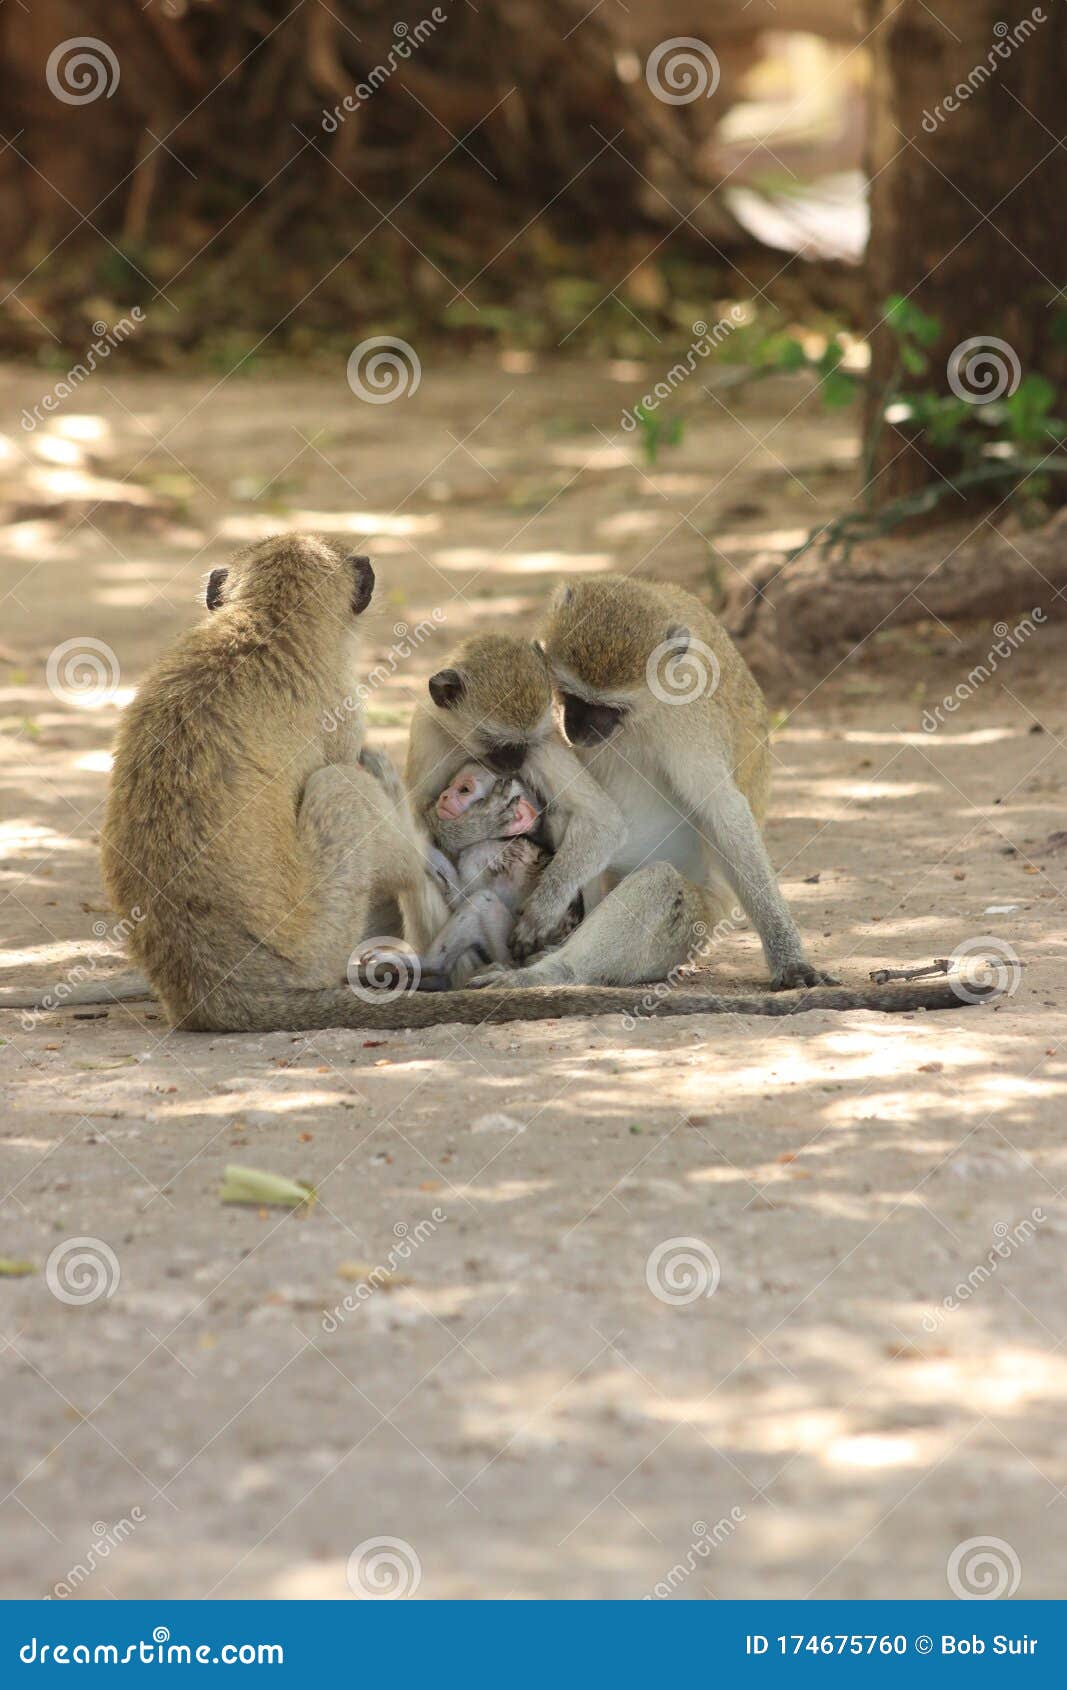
pixel 488 852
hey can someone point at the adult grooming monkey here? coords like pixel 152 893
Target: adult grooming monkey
pixel 665 714
pixel 493 705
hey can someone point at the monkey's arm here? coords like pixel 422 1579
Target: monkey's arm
pixel 707 791
pixel 433 758
pixel 587 829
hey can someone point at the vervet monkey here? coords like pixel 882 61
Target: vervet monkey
pixel 242 824
pixel 665 715
pixel 488 860
pixel 493 705
pixel 251 843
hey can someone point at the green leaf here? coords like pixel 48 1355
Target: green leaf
pixel 906 321
pixel 837 390
pixel 791 355
pixel 914 361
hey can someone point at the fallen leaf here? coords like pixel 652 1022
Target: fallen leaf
pixel 12 1269
pixel 253 1185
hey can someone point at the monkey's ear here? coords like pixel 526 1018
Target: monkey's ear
pixel 678 639
pixel 540 648
pixel 447 688
pixel 563 598
pixel 213 596
pixel 363 588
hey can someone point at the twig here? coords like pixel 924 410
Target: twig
pixel 940 965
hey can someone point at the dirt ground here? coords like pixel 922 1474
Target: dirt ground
pixel 875 1203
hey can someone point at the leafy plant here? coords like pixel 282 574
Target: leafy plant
pixel 1003 440
pixel 657 431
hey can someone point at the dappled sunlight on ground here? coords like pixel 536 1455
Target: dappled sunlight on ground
pixel 864 1357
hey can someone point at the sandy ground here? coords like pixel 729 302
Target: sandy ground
pixel 875 1204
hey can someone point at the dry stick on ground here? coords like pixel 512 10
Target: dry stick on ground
pixel 782 607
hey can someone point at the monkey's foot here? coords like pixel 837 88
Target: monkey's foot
pixel 802 973
pixel 536 927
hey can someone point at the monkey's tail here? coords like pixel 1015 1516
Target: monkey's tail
pixel 122 988
pixel 308 1010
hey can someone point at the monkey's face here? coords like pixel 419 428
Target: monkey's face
pixel 284 572
pixel 504 801
pixel 496 700
pixel 604 641
pixel 588 723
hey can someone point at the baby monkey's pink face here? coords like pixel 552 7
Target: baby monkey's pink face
pixel 473 783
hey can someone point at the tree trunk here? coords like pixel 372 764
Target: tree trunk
pixel 967 192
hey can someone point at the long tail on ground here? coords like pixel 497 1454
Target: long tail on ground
pixel 123 988
pixel 305 1011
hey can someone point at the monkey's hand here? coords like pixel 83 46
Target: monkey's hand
pixel 792 974
pixel 537 926
pixel 444 872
